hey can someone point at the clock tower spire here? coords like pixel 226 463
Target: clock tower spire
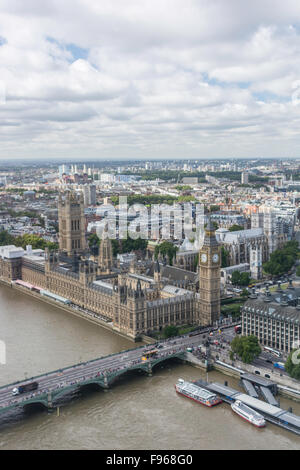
pixel 209 278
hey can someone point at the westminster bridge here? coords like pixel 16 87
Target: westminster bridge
pixel 103 371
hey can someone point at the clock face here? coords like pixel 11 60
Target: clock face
pixel 203 257
pixel 215 258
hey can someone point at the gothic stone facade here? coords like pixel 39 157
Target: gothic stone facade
pixel 133 303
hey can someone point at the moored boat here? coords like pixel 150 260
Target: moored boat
pixel 198 394
pixel 248 414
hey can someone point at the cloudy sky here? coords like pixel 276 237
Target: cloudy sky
pixel 149 78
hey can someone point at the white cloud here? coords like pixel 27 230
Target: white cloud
pixel 159 78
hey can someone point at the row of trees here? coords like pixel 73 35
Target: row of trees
pixel 6 238
pixel 183 187
pixel 282 260
pixel 166 249
pixel 240 279
pixel 235 228
pixel 120 246
pixel 26 239
pixel 148 199
pixel 247 348
pixel 171 175
pixel 292 365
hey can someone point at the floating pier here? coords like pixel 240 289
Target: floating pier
pixel 273 414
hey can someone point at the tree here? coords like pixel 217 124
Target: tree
pixel 298 271
pixel 282 260
pixel 235 228
pixel 224 257
pixel 234 310
pixel 186 198
pixel 245 279
pixel 115 247
pixel 130 244
pixel 292 368
pixel 35 241
pixel 51 246
pixel 235 277
pixel 166 249
pixel 6 238
pixel 93 240
pixel 246 347
pixel 125 245
pixel 30 239
pixel 183 187
pixel 240 279
pixel 214 208
pixel 196 262
pixel 170 330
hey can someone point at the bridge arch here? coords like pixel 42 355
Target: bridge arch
pixel 136 370
pixel 91 385
pixel 34 405
pixel 171 358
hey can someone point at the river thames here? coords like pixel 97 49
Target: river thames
pixel 138 412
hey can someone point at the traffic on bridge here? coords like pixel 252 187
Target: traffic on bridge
pixel 49 387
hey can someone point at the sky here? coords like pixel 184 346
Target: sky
pixel 120 79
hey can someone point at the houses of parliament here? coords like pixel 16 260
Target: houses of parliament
pixel 139 297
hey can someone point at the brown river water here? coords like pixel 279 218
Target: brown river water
pixel 138 412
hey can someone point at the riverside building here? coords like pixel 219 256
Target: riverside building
pixel 135 302
pixel 274 318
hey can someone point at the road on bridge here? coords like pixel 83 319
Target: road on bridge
pixel 101 367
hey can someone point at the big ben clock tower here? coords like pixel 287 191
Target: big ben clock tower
pixel 209 278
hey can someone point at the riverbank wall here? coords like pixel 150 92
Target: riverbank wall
pixel 287 387
pixel 97 321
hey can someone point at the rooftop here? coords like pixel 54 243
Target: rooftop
pixel 280 305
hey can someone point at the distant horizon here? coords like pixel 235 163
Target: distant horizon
pixel 124 160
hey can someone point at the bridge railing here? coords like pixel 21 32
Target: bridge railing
pixel 70 367
pixel 98 358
